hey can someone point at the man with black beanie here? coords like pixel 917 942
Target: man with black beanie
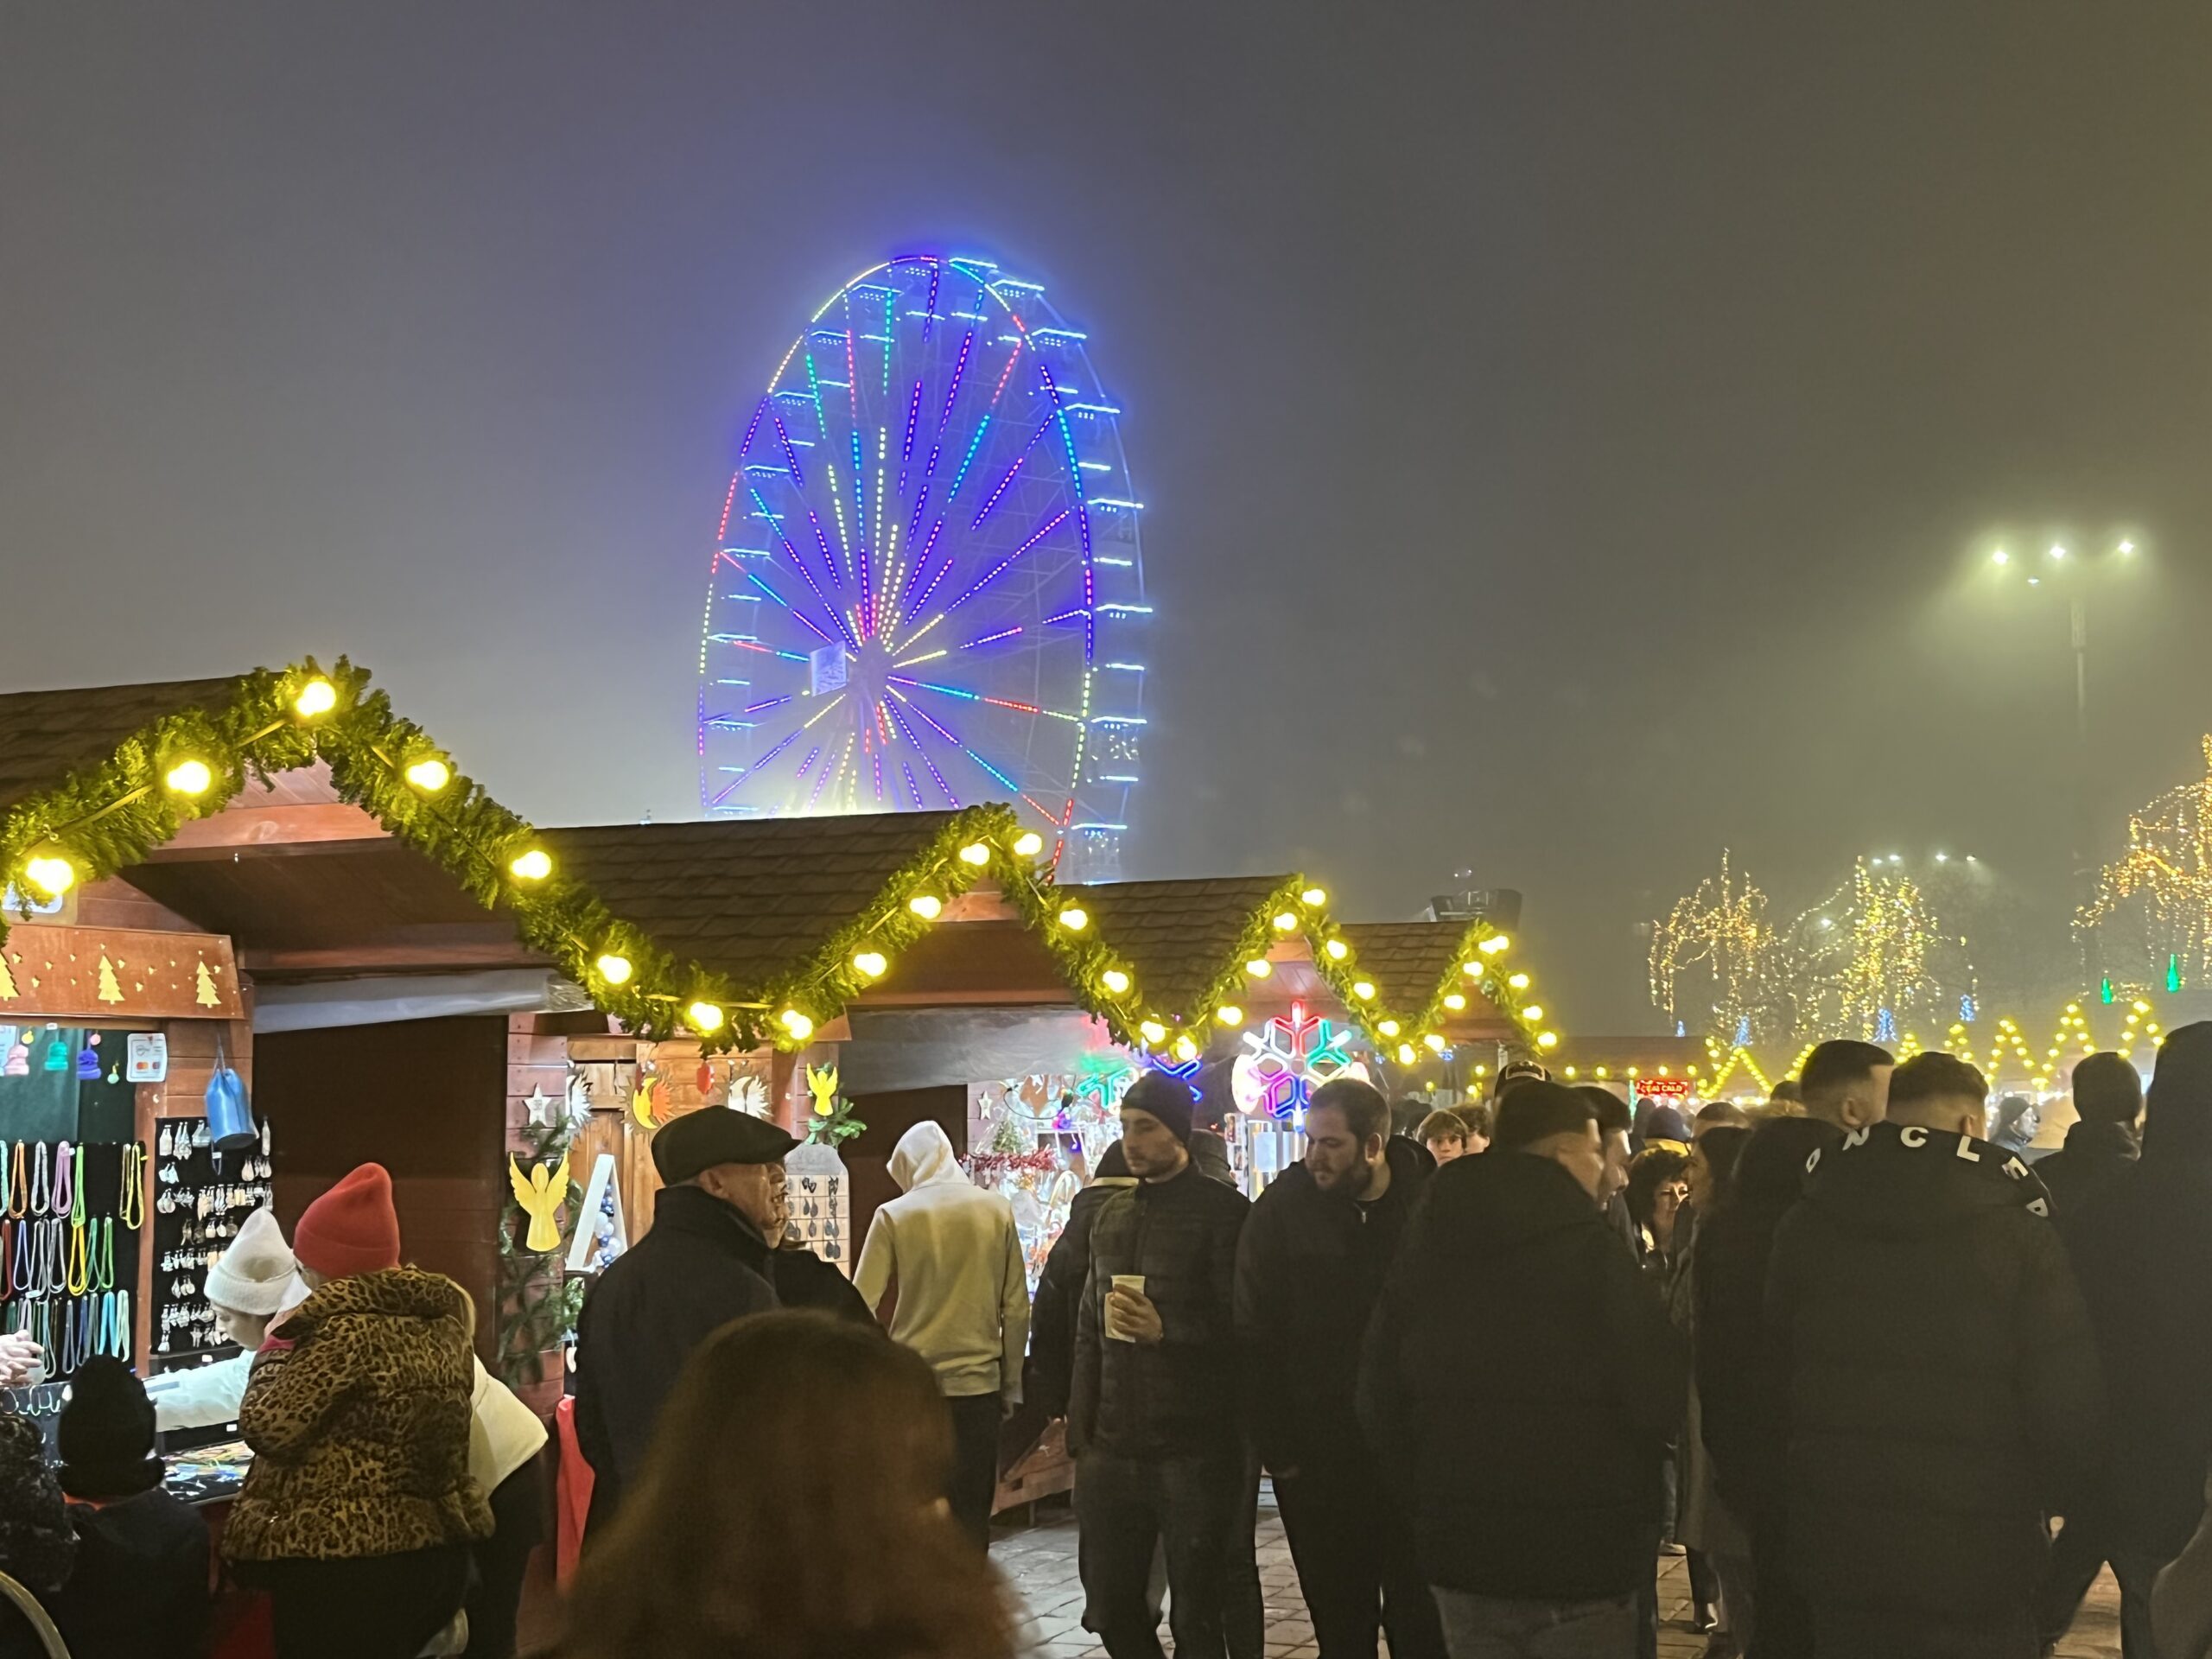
pixel 139 1589
pixel 1153 1412
pixel 2143 1249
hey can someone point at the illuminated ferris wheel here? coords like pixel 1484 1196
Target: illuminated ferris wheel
pixel 928 585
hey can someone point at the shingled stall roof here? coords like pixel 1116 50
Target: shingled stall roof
pixel 46 735
pixel 738 931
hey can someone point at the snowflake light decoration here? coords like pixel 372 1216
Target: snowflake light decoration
pixel 1286 1060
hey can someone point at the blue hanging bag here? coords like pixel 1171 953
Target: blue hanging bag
pixel 230 1116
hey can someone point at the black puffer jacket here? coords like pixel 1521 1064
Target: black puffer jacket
pixel 1511 1289
pixel 2144 1251
pixel 1178 1394
pixel 2084 1167
pixel 1309 1272
pixel 1942 1382
pixel 1060 1298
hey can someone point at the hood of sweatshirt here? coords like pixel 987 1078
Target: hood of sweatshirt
pixel 923 1156
pixel 1495 1203
pixel 1901 1180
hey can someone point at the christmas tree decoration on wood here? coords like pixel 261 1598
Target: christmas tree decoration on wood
pixel 109 991
pixel 204 992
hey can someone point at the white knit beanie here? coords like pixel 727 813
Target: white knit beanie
pixel 256 1274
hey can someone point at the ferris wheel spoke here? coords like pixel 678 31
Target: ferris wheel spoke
pixel 1000 568
pixel 915 743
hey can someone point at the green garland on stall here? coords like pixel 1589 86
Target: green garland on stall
pixel 538 1302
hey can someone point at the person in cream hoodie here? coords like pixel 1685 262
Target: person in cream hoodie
pixel 946 1258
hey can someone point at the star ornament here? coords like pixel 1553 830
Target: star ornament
pixel 540 1107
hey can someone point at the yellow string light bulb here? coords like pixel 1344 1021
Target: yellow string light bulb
pixel 532 865
pixel 1547 1040
pixel 1285 920
pixel 1518 982
pixel 1185 1049
pixel 796 1023
pixel 1363 989
pixel 1454 1002
pixel 1337 949
pixel 1115 981
pixel 1075 919
pixel 1028 843
pixel 317 696
pixel 189 777
pixel 1259 967
pixel 51 874
pixel 874 963
pixel 1434 1042
pixel 1533 1013
pixel 1495 943
pixel 613 967
pixel 1229 1014
pixel 927 906
pixel 1152 1031
pixel 977 854
pixel 429 776
pixel 1314 896
pixel 1388 1027
pixel 704 1016
pixel 1406 1055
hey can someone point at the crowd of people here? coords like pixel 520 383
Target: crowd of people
pixel 1893 1389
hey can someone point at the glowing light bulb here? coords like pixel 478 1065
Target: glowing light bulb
pixel 927 906
pixel 1388 1027
pixel 189 777
pixel 1495 943
pixel 1259 967
pixel 51 874
pixel 1363 989
pixel 2128 547
pixel 2056 551
pixel 1405 1054
pixel 1115 981
pixel 1547 1040
pixel 1434 1042
pixel 976 853
pixel 1314 896
pixel 429 776
pixel 1185 1049
pixel 798 1024
pixel 1029 843
pixel 613 967
pixel 317 696
pixel 874 963
pixel 2000 556
pixel 1519 981
pixel 1152 1031
pixel 704 1016
pixel 1075 919
pixel 532 865
pixel 1285 920
pixel 1338 949
pixel 1472 969
pixel 1533 1013
pixel 1229 1014
pixel 1454 1002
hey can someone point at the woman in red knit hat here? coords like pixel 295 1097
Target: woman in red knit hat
pixel 359 1512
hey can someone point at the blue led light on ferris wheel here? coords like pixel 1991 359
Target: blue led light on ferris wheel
pixel 969 549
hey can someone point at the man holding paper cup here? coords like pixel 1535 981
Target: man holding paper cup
pixel 1153 1413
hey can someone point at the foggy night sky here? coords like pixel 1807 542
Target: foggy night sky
pixel 1570 432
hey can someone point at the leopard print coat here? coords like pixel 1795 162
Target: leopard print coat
pixel 358 1414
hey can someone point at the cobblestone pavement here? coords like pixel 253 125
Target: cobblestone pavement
pixel 1039 1561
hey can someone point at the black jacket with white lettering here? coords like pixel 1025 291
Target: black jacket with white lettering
pixel 1943 1382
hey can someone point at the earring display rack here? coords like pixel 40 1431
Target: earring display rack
pixel 201 1198
pixel 70 1218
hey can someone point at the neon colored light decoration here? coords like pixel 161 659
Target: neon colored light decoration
pixel 1286 1060
pixel 928 562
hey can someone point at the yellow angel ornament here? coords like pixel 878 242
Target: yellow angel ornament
pixel 541 1193
pixel 821 1084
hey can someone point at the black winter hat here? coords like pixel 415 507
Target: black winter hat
pixel 1167 1098
pixel 106 1434
pixel 714 1135
pixel 2178 1122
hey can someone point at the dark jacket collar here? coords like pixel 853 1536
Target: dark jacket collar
pixel 697 1213
pixel 1496 1200
pixel 2098 1139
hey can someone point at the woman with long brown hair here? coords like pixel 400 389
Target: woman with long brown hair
pixel 791 1506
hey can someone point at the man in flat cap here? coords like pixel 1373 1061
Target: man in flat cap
pixel 703 1262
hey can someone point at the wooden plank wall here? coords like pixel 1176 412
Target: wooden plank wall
pixel 429 1099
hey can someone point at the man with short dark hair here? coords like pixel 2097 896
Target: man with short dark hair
pixel 2102 1142
pixel 1153 1415
pixel 1509 1287
pixel 1942 1382
pixel 1309 1270
pixel 1845 1083
pixel 2144 1249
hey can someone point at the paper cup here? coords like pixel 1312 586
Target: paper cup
pixel 1134 1281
